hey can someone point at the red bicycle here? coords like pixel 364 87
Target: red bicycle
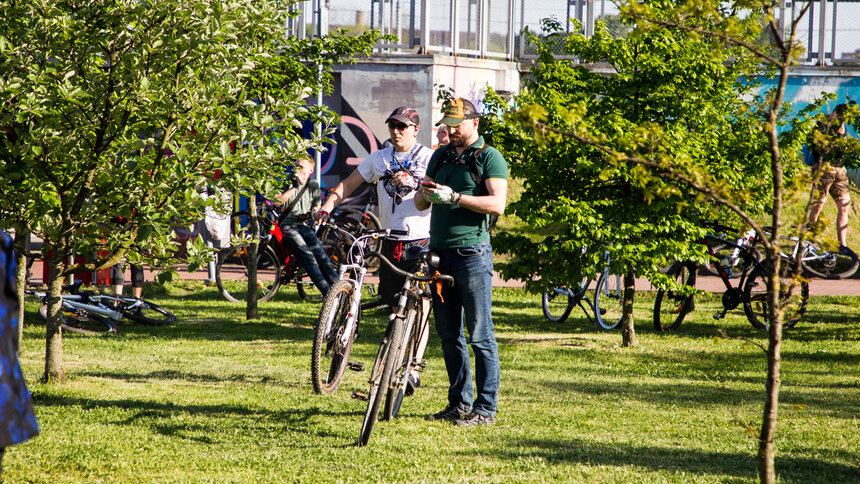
pixel 276 265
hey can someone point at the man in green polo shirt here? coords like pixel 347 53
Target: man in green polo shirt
pixel 466 183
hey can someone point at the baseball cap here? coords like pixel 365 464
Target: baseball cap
pixel 457 110
pixel 405 115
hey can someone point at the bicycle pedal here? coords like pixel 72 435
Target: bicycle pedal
pixel 355 366
pixel 720 315
pixel 420 366
pixel 359 396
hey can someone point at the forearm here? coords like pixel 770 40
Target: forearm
pixel 492 204
pixel 342 190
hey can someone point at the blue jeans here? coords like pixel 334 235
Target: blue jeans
pixel 471 297
pixel 309 253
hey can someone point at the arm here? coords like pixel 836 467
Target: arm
pixel 493 203
pixel 343 190
pixel 420 203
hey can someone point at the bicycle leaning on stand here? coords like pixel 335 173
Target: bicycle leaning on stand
pixel 398 351
pixel 671 307
pixel 92 314
pixel 606 299
pixel 276 264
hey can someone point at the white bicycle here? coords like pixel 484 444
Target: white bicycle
pixel 93 314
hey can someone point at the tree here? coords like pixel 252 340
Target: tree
pixel 665 161
pixel 667 95
pixel 126 109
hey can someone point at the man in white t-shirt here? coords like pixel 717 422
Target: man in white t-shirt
pixel 397 171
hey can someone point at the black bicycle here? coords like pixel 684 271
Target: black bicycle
pixel 671 307
pixel 397 356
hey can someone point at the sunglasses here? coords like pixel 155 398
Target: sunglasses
pixel 398 126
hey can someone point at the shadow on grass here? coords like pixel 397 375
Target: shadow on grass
pixel 163 417
pixel 696 462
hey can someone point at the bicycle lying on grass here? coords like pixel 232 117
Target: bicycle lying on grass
pixel 340 314
pixel 671 307
pixel 817 261
pixel 398 354
pixel 606 299
pixel 92 314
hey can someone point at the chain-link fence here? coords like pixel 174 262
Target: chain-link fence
pixel 830 30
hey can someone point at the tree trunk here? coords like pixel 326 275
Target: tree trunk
pixel 21 277
pixel 251 311
pixel 766 451
pixel 53 334
pixel 628 335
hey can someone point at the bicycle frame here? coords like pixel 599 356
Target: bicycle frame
pixel 74 301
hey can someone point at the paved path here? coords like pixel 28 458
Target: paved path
pixel 817 287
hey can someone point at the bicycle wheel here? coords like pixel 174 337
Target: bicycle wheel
pixel 608 300
pixel 305 286
pixel 756 302
pixel 330 354
pixel 380 377
pixel 558 302
pixel 81 322
pixel 670 308
pixel 403 366
pixel 231 273
pixel 143 312
pixel 829 265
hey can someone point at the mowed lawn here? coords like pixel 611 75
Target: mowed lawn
pixel 215 398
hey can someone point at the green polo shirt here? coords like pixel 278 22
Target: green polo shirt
pixel 453 227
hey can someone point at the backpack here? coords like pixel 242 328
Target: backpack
pixel 474 172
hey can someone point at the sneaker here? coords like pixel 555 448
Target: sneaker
pixel 450 413
pixel 475 419
pixel 843 250
pixel 412 383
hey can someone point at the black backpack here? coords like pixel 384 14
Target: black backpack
pixel 471 159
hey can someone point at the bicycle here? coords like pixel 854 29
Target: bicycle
pixel 275 264
pixel 816 260
pixel 397 356
pixel 606 300
pixel 339 316
pixel 671 307
pixel 93 314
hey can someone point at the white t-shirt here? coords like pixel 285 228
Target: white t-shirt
pixel 396 208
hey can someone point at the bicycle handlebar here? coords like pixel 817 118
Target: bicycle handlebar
pixel 441 277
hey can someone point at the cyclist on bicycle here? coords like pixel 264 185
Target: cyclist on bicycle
pixel 396 170
pixel 301 197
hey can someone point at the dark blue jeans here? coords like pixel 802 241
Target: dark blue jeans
pixel 469 301
pixel 309 253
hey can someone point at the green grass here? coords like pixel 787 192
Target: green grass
pixel 217 399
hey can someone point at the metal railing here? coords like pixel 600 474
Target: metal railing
pixel 829 31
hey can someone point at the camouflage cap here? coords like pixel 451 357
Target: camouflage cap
pixel 458 110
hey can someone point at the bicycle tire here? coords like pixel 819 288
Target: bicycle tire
pixel 231 274
pixel 328 334
pixel 608 300
pixel 305 286
pixel 755 301
pixel 144 312
pixel 556 307
pixel 829 265
pixel 380 377
pixel 402 369
pixel 79 321
pixel 670 308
